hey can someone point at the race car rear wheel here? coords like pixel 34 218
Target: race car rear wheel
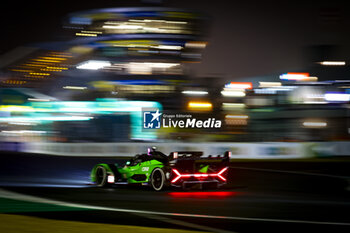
pixel 101 176
pixel 157 179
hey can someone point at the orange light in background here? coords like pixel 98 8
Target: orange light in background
pixel 299 73
pixel 240 85
pixel 45 74
pixel 53 58
pixel 46 60
pixel 40 67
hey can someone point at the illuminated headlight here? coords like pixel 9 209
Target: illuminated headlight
pixel 110 179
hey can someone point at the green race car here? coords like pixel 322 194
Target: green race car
pixel 157 170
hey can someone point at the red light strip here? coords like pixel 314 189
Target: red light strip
pixel 178 176
pixel 222 171
pixel 203 194
pixel 301 74
pixel 199 175
pixel 241 85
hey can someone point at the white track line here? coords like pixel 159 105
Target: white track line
pixel 183 223
pixel 23 197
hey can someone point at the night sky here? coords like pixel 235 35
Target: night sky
pixel 247 38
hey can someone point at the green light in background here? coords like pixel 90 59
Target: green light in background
pixel 42 112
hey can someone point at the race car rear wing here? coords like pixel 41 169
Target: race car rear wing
pixel 186 154
pixel 197 155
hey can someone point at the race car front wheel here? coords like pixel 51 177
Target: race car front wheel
pixel 157 179
pixel 101 176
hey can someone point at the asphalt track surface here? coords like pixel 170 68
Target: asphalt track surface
pixel 273 196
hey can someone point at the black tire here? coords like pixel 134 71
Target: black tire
pixel 101 176
pixel 157 179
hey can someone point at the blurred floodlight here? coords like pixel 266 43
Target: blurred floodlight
pixel 93 65
pixel 239 85
pixel 85 34
pixel 315 124
pixel 38 100
pixel 168 47
pixel 196 44
pixel 145 26
pixel 153 20
pixel 236 116
pixel 337 97
pixel 74 88
pixel 122 26
pixel 45 118
pixel 295 76
pixel 265 91
pixel 269 84
pixel 156 64
pixel 312 79
pixel 333 63
pixel 282 88
pixel 22 123
pixel 195 92
pixel 23 132
pixel 200 106
pixel 16 108
pixel 232 93
pixel 314 99
pixel 228 106
pixel 148 67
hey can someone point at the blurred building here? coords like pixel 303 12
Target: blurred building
pixel 135 55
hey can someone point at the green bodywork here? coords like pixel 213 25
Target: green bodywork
pixel 128 171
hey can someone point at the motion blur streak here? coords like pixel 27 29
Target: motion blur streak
pixel 333 63
pixel 200 105
pixel 315 124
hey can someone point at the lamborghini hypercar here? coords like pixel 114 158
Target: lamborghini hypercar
pixel 184 169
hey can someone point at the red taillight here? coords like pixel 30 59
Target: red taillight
pixel 221 172
pixel 199 175
pixel 177 177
